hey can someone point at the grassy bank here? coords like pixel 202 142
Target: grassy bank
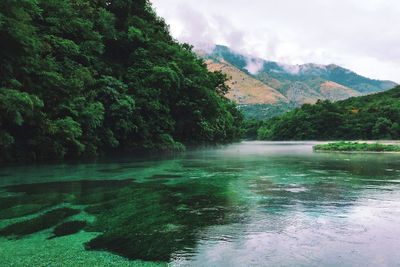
pixel 357 147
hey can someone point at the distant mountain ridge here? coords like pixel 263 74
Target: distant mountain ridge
pixel 246 89
pixel 295 84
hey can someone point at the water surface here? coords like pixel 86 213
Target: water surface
pixel 247 204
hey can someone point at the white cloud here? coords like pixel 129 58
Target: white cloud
pixel 358 34
pixel 254 65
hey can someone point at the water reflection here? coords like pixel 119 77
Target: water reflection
pixel 246 204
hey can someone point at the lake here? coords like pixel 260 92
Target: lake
pixel 246 204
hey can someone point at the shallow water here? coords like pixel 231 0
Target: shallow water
pixel 247 204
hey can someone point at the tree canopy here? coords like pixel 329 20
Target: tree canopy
pixel 369 117
pixel 87 77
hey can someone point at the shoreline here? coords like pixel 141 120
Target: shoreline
pixel 357 147
pixel 357 152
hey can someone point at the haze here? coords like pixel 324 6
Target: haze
pixel 361 35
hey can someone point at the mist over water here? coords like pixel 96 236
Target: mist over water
pixel 246 204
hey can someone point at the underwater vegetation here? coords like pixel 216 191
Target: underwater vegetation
pixel 42 222
pixel 22 205
pixel 68 228
pixel 148 221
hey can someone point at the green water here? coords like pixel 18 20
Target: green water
pixel 248 204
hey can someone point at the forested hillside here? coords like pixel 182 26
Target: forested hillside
pixel 369 117
pixel 282 87
pixel 87 77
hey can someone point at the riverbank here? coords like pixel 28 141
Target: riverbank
pixel 356 147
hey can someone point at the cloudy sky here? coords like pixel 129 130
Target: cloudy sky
pixel 362 35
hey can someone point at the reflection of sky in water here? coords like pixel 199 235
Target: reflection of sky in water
pixel 292 207
pixel 309 210
pixel 366 234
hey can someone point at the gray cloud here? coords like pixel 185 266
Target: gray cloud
pixel 358 34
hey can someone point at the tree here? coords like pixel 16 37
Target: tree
pixel 368 117
pixel 382 128
pixel 89 78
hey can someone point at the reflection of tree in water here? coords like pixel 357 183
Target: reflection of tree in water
pixel 149 221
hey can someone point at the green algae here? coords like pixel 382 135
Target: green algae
pixel 139 221
pixel 42 222
pixel 21 210
pixel 146 223
pixel 68 228
pixel 75 187
pixel 37 250
pixel 165 176
pixel 168 215
pixel 22 204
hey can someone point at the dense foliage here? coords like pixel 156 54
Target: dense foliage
pixel 86 77
pixel 355 146
pixel 265 111
pixel 369 117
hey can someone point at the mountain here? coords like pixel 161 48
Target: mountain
pixel 371 117
pixel 246 89
pixel 296 84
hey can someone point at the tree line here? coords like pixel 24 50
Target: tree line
pixel 83 78
pixel 369 117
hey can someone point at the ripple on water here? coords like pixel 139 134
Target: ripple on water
pixel 296 189
pixel 230 210
pixel 299 174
